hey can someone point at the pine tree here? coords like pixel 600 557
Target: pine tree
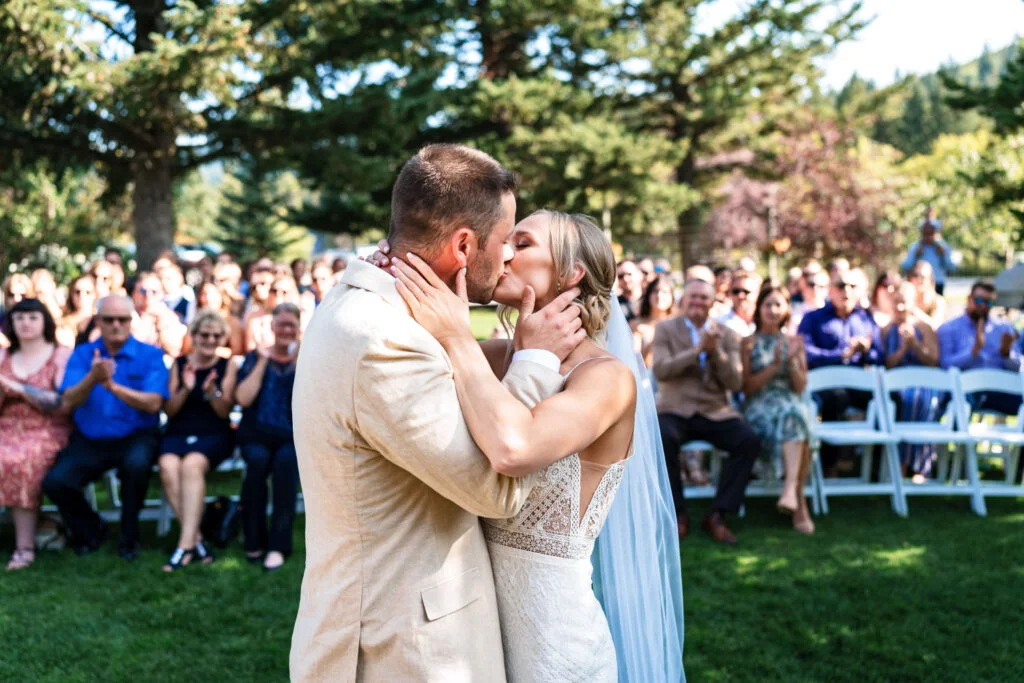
pixel 252 219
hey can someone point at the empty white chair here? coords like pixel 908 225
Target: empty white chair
pixel 949 432
pixel 868 433
pixel 1009 436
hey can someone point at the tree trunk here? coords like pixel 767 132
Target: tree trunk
pixel 153 213
pixel 688 223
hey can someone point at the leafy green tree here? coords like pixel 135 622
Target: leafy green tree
pixel 147 90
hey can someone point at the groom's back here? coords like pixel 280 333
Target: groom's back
pixel 387 556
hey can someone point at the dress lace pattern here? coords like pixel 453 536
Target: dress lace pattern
pixel 553 628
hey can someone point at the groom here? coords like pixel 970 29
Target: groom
pixel 398 582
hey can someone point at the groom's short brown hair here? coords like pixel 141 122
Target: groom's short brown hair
pixel 445 187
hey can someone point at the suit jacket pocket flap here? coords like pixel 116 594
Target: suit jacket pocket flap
pixel 451 594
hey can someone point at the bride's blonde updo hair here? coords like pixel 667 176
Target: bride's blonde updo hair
pixel 575 238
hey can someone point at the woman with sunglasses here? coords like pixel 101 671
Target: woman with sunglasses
pixel 215 298
pixel 198 437
pixel 883 298
pixel 33 428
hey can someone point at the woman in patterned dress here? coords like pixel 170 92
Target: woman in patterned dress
pixel 774 376
pixel 32 426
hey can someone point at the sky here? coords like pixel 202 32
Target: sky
pixel 913 36
pixel 918 36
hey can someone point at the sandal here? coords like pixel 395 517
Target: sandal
pixel 21 559
pixel 204 554
pixel 179 558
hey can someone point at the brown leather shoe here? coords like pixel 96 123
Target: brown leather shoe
pixel 715 526
pixel 684 526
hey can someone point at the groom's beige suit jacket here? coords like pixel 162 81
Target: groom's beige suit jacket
pixel 398 583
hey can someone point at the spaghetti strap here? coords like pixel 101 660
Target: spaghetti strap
pixel 573 368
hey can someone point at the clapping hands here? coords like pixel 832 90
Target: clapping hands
pixel 103 369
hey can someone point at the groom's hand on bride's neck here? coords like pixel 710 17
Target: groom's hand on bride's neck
pixel 557 327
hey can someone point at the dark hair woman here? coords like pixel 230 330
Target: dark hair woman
pixel 774 375
pixel 33 428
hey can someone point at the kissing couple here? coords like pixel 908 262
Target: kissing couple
pixel 455 489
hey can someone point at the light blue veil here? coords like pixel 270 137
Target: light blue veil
pixel 637 577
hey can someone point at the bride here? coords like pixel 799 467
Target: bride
pixel 577 446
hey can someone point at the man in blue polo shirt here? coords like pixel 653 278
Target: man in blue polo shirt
pixel 841 333
pixel 116 386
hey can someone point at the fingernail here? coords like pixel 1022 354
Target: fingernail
pixel 394 270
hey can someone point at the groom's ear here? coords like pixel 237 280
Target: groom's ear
pixel 462 245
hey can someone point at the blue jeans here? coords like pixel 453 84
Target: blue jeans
pixel 269 458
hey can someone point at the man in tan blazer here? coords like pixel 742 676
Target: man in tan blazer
pixel 398 583
pixel 697 364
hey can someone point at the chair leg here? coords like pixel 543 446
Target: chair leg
pixel 942 456
pixel 899 498
pixel 958 463
pixel 90 496
pixel 818 477
pixel 163 524
pixel 977 495
pixel 1011 460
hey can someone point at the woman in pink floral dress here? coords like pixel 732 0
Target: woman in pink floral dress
pixel 33 428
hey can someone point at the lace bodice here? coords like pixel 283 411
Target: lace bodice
pixel 550 522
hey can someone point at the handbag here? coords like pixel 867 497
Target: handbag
pixel 221 521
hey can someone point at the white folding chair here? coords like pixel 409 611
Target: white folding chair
pixel 1009 436
pixel 867 432
pixel 708 490
pixel 948 432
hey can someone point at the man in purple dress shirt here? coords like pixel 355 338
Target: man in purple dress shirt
pixel 974 340
pixel 841 333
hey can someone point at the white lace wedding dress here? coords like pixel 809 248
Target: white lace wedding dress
pixel 552 627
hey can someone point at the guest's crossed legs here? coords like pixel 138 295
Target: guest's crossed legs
pixel 733 436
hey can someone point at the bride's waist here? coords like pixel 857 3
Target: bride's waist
pixel 561 548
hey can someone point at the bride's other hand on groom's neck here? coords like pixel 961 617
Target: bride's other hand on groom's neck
pixel 557 327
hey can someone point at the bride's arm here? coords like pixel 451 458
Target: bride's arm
pixel 518 440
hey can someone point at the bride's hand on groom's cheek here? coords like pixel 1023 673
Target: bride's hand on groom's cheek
pixel 557 327
pixel 443 313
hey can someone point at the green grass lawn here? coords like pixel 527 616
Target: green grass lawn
pixel 871 597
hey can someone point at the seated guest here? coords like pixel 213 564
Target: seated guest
pixel 17 286
pixel 883 298
pixel 910 341
pixel 697 363
pixel 198 436
pixel 723 280
pixel 774 376
pixel 78 324
pixel 257 317
pixel 33 427
pixel 814 288
pixel 841 333
pixel 102 273
pixel 794 280
pixel 46 291
pixel 116 386
pixel 974 340
pixel 658 304
pixel 265 393
pixel 321 281
pixel 931 305
pixel 629 288
pixel 154 323
pixel 743 289
pixel 178 296
pixel 214 298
